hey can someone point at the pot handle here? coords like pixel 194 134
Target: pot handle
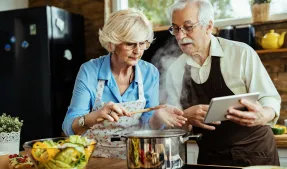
pixel 189 136
pixel 116 137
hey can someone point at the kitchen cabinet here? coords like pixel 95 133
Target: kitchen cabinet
pixel 283 156
pixel 192 152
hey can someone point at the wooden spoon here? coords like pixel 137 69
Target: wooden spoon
pixel 138 111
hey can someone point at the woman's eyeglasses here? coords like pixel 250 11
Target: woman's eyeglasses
pixel 131 46
pixel 174 30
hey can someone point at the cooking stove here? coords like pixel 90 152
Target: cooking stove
pixel 190 166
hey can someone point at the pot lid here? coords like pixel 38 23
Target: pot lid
pixel 156 133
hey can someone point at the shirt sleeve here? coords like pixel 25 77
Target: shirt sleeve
pixel 173 97
pixel 258 80
pixel 152 98
pixel 80 102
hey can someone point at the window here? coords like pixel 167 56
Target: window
pixel 240 9
pixel 227 12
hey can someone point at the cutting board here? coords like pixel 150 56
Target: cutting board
pixel 281 140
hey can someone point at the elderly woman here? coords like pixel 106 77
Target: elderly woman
pixel 112 86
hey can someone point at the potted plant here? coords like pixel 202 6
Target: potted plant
pixel 10 128
pixel 260 10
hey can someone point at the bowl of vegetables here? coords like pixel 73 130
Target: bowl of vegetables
pixel 71 152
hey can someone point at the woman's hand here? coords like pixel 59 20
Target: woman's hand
pixel 171 116
pixel 110 112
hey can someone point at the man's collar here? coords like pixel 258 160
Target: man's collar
pixel 215 47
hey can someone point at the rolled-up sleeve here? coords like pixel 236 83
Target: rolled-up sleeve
pixel 258 80
pixel 80 102
pixel 152 97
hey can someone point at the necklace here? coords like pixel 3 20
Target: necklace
pixel 129 81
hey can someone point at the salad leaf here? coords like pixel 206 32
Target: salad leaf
pixel 50 144
pixel 79 140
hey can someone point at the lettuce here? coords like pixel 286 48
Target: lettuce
pixel 79 140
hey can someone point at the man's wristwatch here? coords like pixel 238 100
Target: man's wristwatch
pixel 82 121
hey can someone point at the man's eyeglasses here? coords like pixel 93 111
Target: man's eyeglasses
pixel 131 46
pixel 174 30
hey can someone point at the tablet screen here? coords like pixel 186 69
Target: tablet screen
pixel 219 106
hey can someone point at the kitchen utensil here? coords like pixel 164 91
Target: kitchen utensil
pixel 139 111
pixel 272 40
pixel 62 152
pixel 156 148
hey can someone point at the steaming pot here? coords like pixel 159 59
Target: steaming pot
pixel 157 148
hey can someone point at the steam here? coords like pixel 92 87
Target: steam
pixel 162 59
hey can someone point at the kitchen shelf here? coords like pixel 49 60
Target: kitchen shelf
pixel 160 28
pixel 271 51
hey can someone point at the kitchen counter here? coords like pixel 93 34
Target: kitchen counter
pixel 281 141
pixel 111 163
pixel 96 163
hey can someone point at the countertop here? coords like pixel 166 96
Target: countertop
pixel 281 141
pixel 109 163
pixel 95 163
pixel 112 163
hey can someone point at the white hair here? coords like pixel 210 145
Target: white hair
pixel 129 25
pixel 205 14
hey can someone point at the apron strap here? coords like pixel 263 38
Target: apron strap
pixel 100 90
pixel 140 84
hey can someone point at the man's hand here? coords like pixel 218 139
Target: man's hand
pixel 196 115
pixel 256 114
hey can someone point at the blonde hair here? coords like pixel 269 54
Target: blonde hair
pixel 129 25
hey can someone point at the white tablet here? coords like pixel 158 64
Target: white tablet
pixel 219 106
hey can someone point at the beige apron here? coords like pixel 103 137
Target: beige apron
pixel 102 132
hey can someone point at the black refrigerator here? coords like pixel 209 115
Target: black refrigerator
pixel 41 50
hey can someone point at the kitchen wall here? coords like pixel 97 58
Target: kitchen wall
pixel 276 63
pixel 93 12
pixel 13 4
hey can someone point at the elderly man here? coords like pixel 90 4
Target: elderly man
pixel 212 67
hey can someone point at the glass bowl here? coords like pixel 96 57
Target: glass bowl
pixel 58 153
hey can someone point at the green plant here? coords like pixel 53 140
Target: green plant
pixel 10 124
pixel 155 9
pixel 259 1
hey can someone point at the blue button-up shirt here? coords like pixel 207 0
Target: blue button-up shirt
pixel 84 94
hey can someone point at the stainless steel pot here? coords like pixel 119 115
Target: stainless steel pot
pixel 157 148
